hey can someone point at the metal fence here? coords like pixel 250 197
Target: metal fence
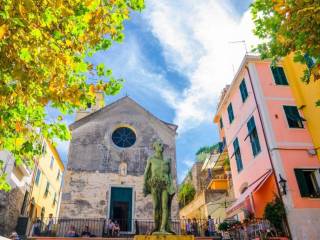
pixel 99 227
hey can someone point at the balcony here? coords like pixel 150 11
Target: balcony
pixel 219 184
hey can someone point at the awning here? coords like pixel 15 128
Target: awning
pixel 253 187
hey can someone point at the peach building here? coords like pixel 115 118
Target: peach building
pixel 267 137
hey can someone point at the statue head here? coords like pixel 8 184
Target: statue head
pixel 157 146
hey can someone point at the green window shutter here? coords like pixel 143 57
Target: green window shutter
pixel 254 139
pixel 279 76
pixel 275 75
pixel 284 80
pixel 251 125
pixel 304 191
pixel 243 90
pixel 230 113
pixel 237 154
pixel 38 176
pixel 309 61
pixel 221 123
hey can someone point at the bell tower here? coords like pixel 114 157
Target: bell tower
pixel 99 103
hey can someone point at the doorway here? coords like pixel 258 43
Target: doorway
pixel 121 207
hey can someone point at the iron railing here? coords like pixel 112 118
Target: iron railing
pixel 255 229
pixel 98 227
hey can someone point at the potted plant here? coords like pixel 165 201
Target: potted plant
pixel 226 166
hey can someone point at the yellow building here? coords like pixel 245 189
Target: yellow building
pixel 46 186
pixel 217 193
pixel 306 96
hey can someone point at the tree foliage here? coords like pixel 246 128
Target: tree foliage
pixel 225 226
pixel 207 149
pixel 275 213
pixel 44 50
pixel 186 193
pixel 289 27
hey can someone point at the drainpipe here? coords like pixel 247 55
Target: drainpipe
pixel 269 155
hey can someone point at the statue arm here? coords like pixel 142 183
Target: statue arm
pixel 171 189
pixel 146 176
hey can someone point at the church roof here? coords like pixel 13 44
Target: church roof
pixel 78 123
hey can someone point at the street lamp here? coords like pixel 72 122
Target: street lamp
pixel 283 184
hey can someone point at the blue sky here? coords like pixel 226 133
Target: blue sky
pixel 176 58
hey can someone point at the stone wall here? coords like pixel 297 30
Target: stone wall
pixel 198 178
pixel 10 206
pixel 82 197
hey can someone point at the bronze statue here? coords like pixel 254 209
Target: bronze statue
pixel 158 182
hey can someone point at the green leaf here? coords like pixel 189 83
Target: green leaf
pixel 25 55
pixel 100 69
pixel 36 33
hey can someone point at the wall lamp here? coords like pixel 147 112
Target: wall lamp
pixel 283 184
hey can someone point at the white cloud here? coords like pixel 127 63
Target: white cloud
pixel 195 37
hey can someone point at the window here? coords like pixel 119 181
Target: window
pixel 221 123
pixel 293 117
pixel 221 147
pixel 309 61
pixel 58 175
pixel 44 148
pixel 308 182
pixel 230 113
pixel 47 189
pixel 224 141
pixel 43 211
pixel 279 76
pixel 237 154
pixel 54 199
pixel 38 176
pixel 243 90
pixel 51 162
pixel 124 137
pixel 253 134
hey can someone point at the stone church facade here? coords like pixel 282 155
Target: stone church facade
pixel 106 161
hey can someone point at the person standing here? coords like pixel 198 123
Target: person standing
pixel 211 227
pixel 195 229
pixel 189 227
pixel 36 228
pixel 50 225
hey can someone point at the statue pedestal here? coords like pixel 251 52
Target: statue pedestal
pixel 163 237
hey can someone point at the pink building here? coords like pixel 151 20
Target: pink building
pixel 266 137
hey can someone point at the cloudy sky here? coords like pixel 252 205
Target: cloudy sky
pixel 176 58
